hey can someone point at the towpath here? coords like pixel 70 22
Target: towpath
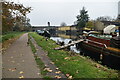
pixel 18 60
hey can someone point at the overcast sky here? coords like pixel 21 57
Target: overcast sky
pixel 58 11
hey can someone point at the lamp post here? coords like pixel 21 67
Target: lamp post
pixel 48 24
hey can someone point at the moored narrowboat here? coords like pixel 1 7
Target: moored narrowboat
pixel 104 48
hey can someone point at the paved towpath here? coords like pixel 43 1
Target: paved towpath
pixel 18 60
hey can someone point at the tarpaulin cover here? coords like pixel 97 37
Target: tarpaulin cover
pixel 109 29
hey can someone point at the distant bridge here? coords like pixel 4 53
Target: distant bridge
pixel 34 28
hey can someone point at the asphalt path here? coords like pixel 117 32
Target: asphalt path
pixel 18 60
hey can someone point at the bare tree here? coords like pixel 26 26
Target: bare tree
pixel 104 18
pixel 63 24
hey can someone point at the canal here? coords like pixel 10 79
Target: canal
pixel 66 38
pixel 66 41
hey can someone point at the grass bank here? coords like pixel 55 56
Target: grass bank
pixel 8 38
pixel 9 35
pixel 76 66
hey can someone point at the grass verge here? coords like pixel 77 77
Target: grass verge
pixel 75 66
pixel 9 38
pixel 9 35
pixel 37 59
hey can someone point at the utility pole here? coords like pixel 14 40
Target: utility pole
pixel 1 17
pixel 0 36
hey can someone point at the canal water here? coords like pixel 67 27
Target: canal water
pixel 66 41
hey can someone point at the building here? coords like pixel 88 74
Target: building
pixel 119 10
pixel 100 25
pixel 67 28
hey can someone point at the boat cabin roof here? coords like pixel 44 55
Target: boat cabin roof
pixel 107 37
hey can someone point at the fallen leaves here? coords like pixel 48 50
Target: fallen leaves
pixel 48 69
pixel 67 58
pixel 12 69
pixel 56 68
pixel 52 62
pixel 97 65
pixel 9 69
pixel 21 72
pixel 58 72
pixel 58 77
pixel 3 49
pixel 69 77
pixel 105 69
pixel 77 71
pixel 46 65
pixel 21 77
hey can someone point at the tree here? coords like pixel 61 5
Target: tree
pixel 14 15
pixel 82 19
pixel 104 18
pixel 63 24
pixel 90 24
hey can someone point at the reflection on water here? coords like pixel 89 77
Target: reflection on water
pixel 66 41
pixel 74 49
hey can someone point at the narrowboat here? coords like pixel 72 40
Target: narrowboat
pixel 104 48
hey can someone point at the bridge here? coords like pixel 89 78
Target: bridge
pixel 34 28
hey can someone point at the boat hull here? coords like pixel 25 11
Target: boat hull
pixel 108 57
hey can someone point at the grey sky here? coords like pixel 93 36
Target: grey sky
pixel 57 11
